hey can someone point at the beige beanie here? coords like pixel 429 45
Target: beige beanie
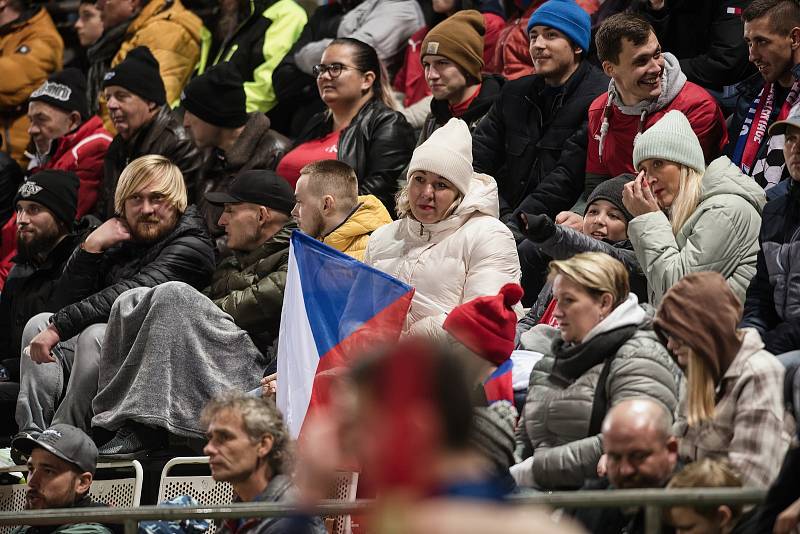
pixel 448 153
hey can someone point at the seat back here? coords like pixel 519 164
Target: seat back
pixel 203 488
pixel 117 492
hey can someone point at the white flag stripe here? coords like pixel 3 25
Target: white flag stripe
pixel 297 353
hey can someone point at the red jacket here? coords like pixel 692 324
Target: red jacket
pixel 512 57
pixel 699 107
pixel 82 152
pixel 410 79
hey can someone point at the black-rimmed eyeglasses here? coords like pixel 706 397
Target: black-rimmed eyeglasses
pixel 333 69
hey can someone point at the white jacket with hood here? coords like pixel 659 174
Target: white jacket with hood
pixel 468 254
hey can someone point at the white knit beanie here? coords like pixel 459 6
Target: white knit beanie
pixel 671 138
pixel 448 153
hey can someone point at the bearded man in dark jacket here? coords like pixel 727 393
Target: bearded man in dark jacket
pixel 156 239
pixel 233 140
pixel 145 124
pixel 198 345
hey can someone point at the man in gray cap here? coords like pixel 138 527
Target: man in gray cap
pixel 201 343
pixel 778 263
pixel 61 465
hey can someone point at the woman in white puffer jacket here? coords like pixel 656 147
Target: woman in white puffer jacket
pixel 448 242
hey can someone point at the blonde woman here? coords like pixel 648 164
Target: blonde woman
pixel 604 350
pixel 687 217
pixel 732 406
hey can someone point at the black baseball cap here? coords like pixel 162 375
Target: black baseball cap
pixel 69 443
pixel 261 187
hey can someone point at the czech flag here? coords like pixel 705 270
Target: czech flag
pixel 334 308
pixel 499 385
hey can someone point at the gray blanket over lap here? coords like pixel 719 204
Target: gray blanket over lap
pixel 167 351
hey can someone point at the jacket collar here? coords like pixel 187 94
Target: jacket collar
pixel 151 131
pixel 490 89
pixel 57 256
pixel 246 149
pixel 27 17
pixel 277 243
pixel 570 86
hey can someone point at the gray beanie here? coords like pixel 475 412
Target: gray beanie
pixel 493 432
pixel 611 190
pixel 671 139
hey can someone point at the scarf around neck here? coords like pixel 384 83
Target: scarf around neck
pixel 760 115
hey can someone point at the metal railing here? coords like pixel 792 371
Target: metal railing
pixel 653 500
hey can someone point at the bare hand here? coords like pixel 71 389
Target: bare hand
pixel 269 386
pixel 602 469
pixel 41 347
pixel 788 519
pixel 107 235
pixel 570 219
pixel 638 197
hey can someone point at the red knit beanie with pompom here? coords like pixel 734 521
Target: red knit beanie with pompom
pixel 487 325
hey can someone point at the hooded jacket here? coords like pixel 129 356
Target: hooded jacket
pixel 81 152
pixel 553 430
pixel 249 287
pixel 721 235
pixel 352 235
pixel 466 255
pixel 610 142
pixel 30 50
pixel 772 305
pixel 94 281
pixel 163 135
pixel 750 426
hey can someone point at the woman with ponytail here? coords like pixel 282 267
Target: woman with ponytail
pixel 359 126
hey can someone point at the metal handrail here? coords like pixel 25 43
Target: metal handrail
pixel 652 499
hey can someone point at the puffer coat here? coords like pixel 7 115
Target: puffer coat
pixel 467 255
pixel 721 235
pixel 553 434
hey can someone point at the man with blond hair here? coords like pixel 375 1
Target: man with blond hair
pixel 156 238
pixel 328 207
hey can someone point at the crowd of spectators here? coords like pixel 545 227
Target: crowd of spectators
pixel 603 189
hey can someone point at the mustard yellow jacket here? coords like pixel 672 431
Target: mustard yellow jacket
pixel 352 235
pixel 30 50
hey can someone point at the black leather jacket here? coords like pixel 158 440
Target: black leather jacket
pixel 378 144
pixel 164 135
pixel 94 281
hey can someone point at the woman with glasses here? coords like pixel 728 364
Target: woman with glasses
pixel 359 127
pixel 732 406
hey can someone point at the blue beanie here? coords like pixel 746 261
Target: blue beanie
pixel 567 17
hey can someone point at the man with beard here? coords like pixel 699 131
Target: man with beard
pixel 145 125
pixel 45 210
pixel 171 349
pixel 328 208
pixel 640 453
pixel 61 466
pixel 155 239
